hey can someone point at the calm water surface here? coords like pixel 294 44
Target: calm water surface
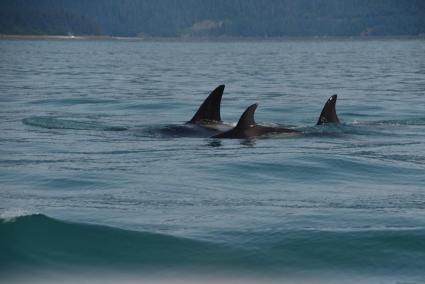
pixel 94 173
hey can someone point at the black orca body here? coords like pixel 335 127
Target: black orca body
pixel 328 114
pixel 204 123
pixel 208 114
pixel 209 111
pixel 248 128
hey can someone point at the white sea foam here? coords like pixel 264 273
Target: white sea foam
pixel 10 215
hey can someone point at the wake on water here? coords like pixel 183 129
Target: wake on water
pixel 60 123
pixel 186 130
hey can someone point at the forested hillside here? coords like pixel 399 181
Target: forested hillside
pixel 174 18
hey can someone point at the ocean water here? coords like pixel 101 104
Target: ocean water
pixel 100 181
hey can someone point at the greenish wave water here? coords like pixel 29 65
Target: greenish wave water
pixel 38 242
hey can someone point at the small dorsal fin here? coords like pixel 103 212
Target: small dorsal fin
pixel 247 118
pixel 328 114
pixel 210 108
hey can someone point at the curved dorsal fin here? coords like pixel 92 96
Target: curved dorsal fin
pixel 247 118
pixel 210 108
pixel 328 114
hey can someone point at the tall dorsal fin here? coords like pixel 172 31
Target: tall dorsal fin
pixel 210 108
pixel 328 114
pixel 247 118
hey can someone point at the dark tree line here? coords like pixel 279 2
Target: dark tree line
pixel 256 18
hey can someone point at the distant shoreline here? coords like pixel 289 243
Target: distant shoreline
pixel 201 39
pixel 68 37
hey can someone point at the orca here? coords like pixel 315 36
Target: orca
pixel 209 111
pixel 248 128
pixel 328 114
pixel 204 123
pixel 208 115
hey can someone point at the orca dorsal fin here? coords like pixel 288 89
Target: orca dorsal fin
pixel 210 108
pixel 328 114
pixel 247 118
